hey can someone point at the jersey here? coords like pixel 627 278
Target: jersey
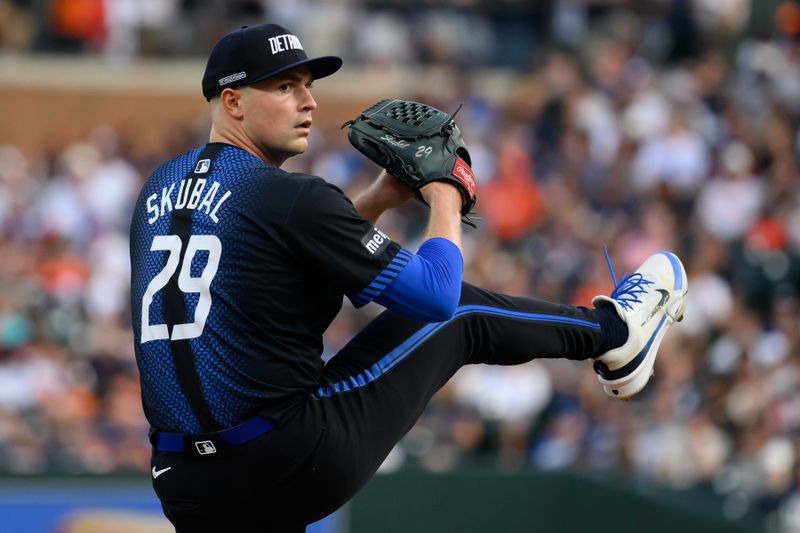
pixel 237 270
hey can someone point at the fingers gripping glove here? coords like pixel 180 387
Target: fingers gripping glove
pixel 416 143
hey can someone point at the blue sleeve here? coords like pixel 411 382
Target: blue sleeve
pixel 429 287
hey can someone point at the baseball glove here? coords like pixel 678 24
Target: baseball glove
pixel 416 143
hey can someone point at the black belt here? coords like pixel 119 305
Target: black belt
pixel 204 443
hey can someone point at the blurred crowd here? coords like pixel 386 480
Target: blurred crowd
pixel 668 125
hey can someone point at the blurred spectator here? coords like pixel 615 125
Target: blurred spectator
pixel 513 397
pixel 677 159
pixel 735 186
pixel 16 25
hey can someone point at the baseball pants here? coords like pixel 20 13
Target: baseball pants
pixel 372 393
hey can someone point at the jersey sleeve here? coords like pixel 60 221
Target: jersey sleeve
pixel 327 232
pixel 429 287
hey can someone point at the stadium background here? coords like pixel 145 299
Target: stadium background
pixel 648 125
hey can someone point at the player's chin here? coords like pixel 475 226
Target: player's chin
pixel 299 146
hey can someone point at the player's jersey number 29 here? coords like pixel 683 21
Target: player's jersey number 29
pixel 186 283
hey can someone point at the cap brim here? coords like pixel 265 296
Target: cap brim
pixel 319 67
pixel 324 66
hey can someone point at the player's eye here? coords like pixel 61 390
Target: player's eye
pixel 285 88
pixel 310 85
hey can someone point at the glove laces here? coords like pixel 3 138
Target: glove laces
pixel 627 290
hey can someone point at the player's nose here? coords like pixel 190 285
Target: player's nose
pixel 307 101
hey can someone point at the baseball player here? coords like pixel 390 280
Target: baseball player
pixel 238 267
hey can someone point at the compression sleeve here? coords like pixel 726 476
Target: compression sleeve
pixel 429 287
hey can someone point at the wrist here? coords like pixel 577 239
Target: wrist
pixel 440 195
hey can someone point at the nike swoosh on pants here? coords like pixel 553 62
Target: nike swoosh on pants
pixel 157 473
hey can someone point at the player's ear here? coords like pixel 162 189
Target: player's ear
pixel 231 102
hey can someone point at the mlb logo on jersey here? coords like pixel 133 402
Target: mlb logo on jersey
pixel 202 166
pixel 205 447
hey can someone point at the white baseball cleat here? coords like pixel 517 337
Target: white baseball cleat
pixel 649 301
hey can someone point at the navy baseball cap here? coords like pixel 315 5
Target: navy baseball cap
pixel 251 54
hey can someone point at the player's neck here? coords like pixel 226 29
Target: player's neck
pixel 240 140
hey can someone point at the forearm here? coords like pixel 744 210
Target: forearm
pixel 367 207
pixel 386 192
pixel 445 215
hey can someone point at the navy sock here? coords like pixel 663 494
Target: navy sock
pixel 613 329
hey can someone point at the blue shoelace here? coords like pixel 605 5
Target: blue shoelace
pixel 627 290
